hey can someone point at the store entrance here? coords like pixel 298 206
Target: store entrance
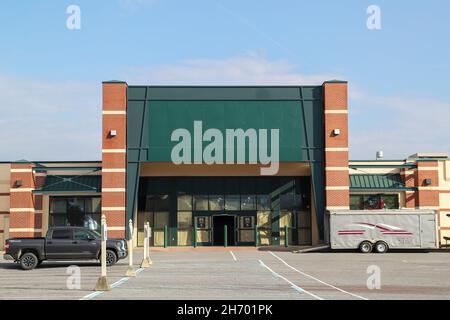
pixel 219 223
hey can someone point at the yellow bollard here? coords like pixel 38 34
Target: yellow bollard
pixel 148 243
pixel 102 282
pixel 130 271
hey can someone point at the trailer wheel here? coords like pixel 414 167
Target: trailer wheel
pixel 381 247
pixel 365 247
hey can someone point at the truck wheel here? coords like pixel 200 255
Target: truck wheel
pixel 381 247
pixel 111 258
pixel 28 261
pixel 365 247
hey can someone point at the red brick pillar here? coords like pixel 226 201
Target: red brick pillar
pixel 428 193
pixel 25 208
pixel 409 178
pixel 114 156
pixel 336 145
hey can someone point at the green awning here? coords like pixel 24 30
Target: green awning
pixel 71 184
pixel 386 182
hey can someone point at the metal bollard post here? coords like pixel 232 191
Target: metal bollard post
pixel 195 235
pixel 225 236
pixel 102 282
pixel 149 235
pixel 286 236
pixel 165 236
pixel 144 263
pixel 256 236
pixel 130 271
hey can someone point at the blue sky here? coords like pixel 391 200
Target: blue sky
pixel 50 77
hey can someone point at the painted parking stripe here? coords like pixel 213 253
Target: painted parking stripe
pixel 293 285
pixel 318 280
pixel 234 257
pixel 114 285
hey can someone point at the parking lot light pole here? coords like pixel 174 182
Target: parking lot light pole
pixel 102 282
pixel 130 271
pixel 144 263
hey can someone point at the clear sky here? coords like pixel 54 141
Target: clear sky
pixel 50 76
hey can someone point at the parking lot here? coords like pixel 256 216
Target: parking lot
pixel 244 274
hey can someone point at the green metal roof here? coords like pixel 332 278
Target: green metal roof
pixel 68 184
pixel 376 182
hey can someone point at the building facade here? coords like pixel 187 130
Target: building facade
pixel 263 164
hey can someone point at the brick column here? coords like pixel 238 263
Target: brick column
pixel 336 146
pixel 25 208
pixel 114 156
pixel 409 178
pixel 428 194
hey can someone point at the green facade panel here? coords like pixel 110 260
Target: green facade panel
pixel 154 112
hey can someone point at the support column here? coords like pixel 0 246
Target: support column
pixel 336 145
pixel 427 183
pixel 114 115
pixel 25 208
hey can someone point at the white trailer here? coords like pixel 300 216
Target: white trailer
pixel 382 229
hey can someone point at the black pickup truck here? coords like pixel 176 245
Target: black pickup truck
pixel 63 243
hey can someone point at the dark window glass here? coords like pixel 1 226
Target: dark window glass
pixel 62 234
pixel 374 201
pixel 80 235
pixel 75 211
pixel 58 205
pixel 355 202
pixel 390 201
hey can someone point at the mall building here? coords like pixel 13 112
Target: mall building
pixel 174 156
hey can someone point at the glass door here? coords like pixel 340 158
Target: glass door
pixel 246 222
pixel 203 226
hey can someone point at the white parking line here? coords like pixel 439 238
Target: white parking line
pixel 114 285
pixel 318 280
pixel 234 257
pixel 293 285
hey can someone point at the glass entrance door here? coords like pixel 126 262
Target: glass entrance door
pixel 219 223
pixel 203 227
pixel 246 228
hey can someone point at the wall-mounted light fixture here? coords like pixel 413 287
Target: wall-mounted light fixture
pixel 18 183
pixel 112 133
pixel 427 181
pixel 336 132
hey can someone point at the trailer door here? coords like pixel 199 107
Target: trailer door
pixel 428 231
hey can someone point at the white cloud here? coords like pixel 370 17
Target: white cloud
pixel 44 120
pixel 47 120
pixel 249 69
pixel 398 125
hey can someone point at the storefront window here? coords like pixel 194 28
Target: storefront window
pixel 216 202
pixel 75 211
pixel 184 202
pixel 374 201
pixel 232 202
pixel 248 202
pixel 201 203
pixel 264 202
